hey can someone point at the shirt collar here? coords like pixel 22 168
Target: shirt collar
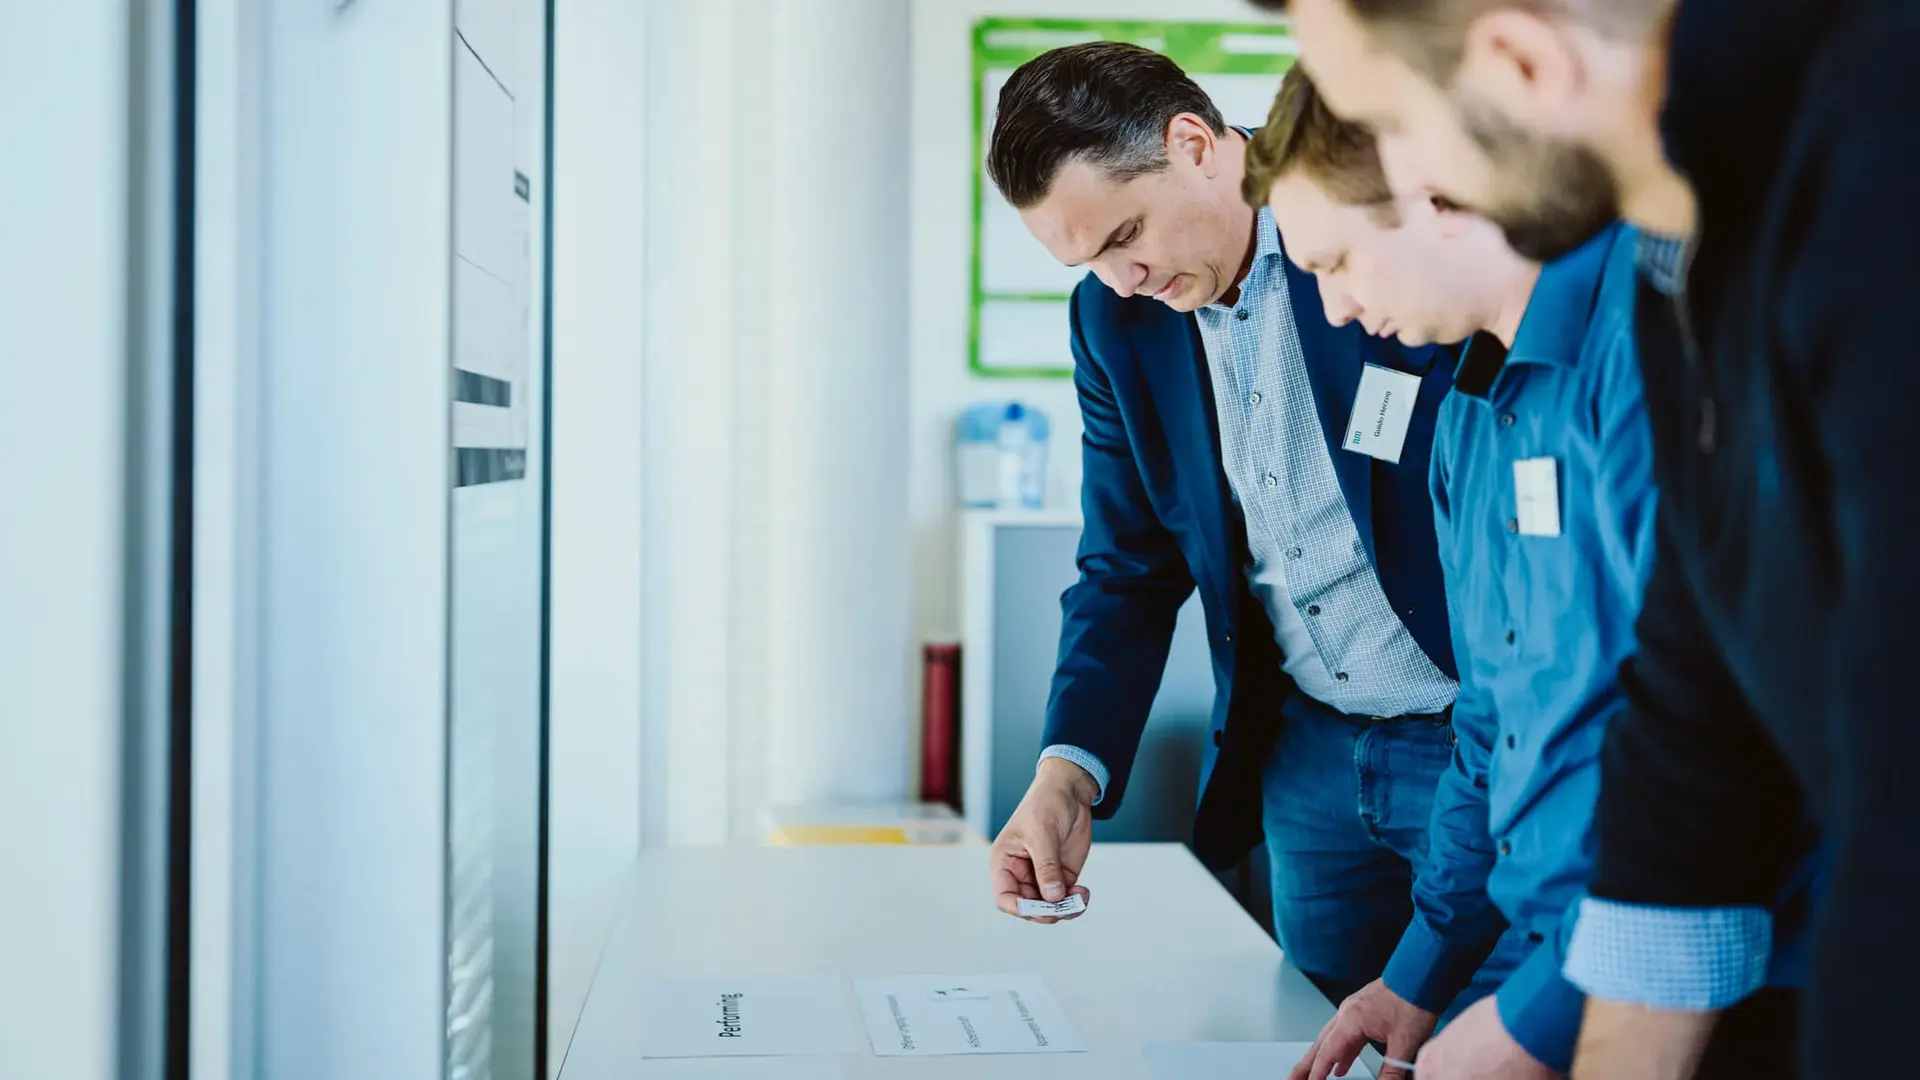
pixel 1554 328
pixel 1266 249
pixel 1662 262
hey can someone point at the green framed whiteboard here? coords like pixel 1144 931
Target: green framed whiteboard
pixel 1017 324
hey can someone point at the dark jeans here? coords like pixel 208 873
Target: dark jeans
pixel 1346 806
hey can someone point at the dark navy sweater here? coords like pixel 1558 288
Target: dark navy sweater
pixel 1778 680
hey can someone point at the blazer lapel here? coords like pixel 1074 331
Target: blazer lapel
pixel 1333 360
pixel 1167 347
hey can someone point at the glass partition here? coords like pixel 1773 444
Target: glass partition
pixel 496 740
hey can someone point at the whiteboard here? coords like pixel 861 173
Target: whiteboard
pixel 1019 296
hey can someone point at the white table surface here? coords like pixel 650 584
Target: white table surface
pixel 1163 953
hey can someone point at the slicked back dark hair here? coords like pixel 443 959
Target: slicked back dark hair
pixel 1103 102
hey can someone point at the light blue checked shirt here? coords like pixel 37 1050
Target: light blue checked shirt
pixel 1342 642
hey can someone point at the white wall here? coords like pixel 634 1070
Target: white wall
pixel 942 171
pixel 594 752
pixel 835 266
pixel 63 356
pixel 776 644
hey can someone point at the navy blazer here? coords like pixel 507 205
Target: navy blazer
pixel 1160 521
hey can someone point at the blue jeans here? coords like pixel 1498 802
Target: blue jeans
pixel 1346 803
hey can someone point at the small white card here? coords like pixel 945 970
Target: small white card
pixel 1074 904
pixel 745 1017
pixel 1382 412
pixel 691 1069
pixel 1229 1061
pixel 1536 490
pixel 930 1015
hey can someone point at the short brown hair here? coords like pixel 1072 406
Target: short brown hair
pixel 1302 134
pixel 1432 34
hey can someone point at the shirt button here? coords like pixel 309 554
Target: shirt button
pixel 1509 637
pixel 1313 609
pixel 1342 676
pixel 1513 525
pixel 1243 314
pixel 1294 553
pixel 1512 742
pixel 1507 419
pixel 1274 481
pixel 1535 938
pixel 1506 848
pixel 1253 398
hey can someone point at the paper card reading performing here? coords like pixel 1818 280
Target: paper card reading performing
pixel 1536 489
pixel 690 1069
pixel 929 1015
pixel 747 1017
pixel 1074 904
pixel 1382 412
pixel 1230 1061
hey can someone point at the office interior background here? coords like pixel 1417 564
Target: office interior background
pixel 458 445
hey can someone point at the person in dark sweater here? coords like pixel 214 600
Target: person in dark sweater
pixel 1774 142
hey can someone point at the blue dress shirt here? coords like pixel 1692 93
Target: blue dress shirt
pixel 1693 959
pixel 1542 619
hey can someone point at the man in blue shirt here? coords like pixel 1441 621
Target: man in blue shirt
pixel 1544 504
pixel 1221 411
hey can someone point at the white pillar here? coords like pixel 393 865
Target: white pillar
pixel 687 311
pixel 834 259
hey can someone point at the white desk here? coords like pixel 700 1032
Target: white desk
pixel 1163 953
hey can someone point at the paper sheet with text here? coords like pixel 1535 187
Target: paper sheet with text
pixel 929 1015
pixel 755 1016
pixel 737 1069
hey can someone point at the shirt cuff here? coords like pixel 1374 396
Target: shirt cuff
pixel 1541 1009
pixel 1084 760
pixel 1428 970
pixel 1673 959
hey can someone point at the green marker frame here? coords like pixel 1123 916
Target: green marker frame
pixel 1196 47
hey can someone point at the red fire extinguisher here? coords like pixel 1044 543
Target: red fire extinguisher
pixel 940 725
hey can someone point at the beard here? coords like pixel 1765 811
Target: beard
pixel 1552 196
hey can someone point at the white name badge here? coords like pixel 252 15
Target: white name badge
pixel 1382 411
pixel 1536 489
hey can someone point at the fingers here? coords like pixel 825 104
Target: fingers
pixel 1304 1070
pixel 1339 1045
pixel 1007 886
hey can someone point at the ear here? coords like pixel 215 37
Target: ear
pixel 1528 67
pixel 1189 139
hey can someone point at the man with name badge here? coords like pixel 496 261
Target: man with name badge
pixel 1236 442
pixel 1544 503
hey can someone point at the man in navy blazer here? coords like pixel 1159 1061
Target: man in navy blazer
pixel 1239 444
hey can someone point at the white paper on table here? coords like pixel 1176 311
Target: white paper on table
pixel 777 1016
pixel 1229 1061
pixel 690 1069
pixel 927 1015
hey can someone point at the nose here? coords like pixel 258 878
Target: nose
pixel 1340 307
pixel 1124 278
